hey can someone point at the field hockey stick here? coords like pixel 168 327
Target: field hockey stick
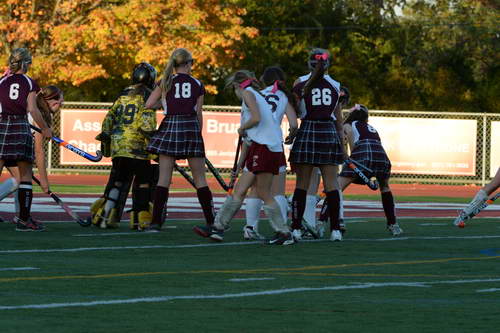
pixel 74 149
pixel 217 175
pixel 232 180
pixel 359 165
pixel 66 208
pixel 185 174
pixel 476 210
pixel 372 185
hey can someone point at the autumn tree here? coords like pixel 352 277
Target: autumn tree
pixel 92 45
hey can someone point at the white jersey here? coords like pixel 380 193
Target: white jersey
pixel 268 130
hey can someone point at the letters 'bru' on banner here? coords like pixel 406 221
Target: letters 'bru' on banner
pixel 414 145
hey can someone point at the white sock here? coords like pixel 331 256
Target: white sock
pixel 283 203
pixel 310 212
pixel 7 187
pixel 252 210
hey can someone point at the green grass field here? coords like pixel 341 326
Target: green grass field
pixel 435 279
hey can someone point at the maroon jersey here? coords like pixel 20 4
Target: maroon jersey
pixel 320 103
pixel 14 91
pixel 363 131
pixel 182 97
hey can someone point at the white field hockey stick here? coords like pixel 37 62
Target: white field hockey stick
pixel 476 209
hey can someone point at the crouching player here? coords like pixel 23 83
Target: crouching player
pixel 126 130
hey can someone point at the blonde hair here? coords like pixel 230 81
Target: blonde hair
pixel 179 57
pixel 19 59
pixel 241 76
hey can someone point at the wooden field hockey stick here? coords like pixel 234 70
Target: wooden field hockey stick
pixel 232 180
pixel 475 210
pixel 185 174
pixel 372 185
pixel 216 174
pixel 74 149
pixel 66 208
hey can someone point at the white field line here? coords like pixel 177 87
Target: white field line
pixel 488 290
pixel 240 295
pixel 18 269
pixel 186 246
pixel 251 279
pixel 433 224
pixel 94 234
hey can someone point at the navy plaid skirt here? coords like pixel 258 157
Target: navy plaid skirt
pixel 16 140
pixel 372 155
pixel 178 136
pixel 317 143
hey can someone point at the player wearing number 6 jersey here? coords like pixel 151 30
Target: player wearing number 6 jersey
pixel 126 131
pixel 179 135
pixel 319 139
pixel 17 99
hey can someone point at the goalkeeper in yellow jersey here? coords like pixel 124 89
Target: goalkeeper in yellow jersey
pixel 125 134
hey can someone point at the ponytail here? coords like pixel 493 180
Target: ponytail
pixel 316 75
pixel 177 58
pixel 46 94
pixel 19 59
pixel 244 79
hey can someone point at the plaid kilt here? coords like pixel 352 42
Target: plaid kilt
pixel 16 140
pixel 178 136
pixel 372 155
pixel 317 143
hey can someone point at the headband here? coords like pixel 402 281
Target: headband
pixel 276 86
pixel 246 83
pixel 322 56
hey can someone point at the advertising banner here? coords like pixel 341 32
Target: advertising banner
pixel 429 146
pixel 495 148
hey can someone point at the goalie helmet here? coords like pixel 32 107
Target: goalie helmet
pixel 144 73
pixel 316 55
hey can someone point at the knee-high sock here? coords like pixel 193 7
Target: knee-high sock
pixel 283 203
pixel 160 205
pixel 7 187
pixel 252 212
pixel 273 212
pixel 389 208
pixel 333 208
pixel 207 204
pixel 25 198
pixel 341 209
pixel 310 211
pixel 298 207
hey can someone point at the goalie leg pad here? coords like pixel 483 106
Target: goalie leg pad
pixel 144 219
pixel 7 187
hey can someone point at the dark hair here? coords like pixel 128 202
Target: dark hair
pixel 360 113
pixel 46 94
pixel 316 75
pixel 274 74
pixel 345 95
pixel 318 62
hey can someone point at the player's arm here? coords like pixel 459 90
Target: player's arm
pixel 339 126
pixel 199 111
pixel 250 100
pixel 291 116
pixel 154 100
pixel 40 162
pixel 349 136
pixel 37 116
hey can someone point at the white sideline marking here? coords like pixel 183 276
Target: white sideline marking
pixel 238 295
pixel 488 290
pixel 83 249
pixel 18 269
pixel 251 279
pixel 122 233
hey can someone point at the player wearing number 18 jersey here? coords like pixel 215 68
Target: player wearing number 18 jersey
pixel 179 135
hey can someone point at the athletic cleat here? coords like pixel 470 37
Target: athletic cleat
pixel 395 229
pixel 336 236
pixel 459 221
pixel 144 219
pixel 30 225
pixel 282 239
pixel 249 233
pixel 209 232
pixel 297 235
pixel 320 225
pixel 311 229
